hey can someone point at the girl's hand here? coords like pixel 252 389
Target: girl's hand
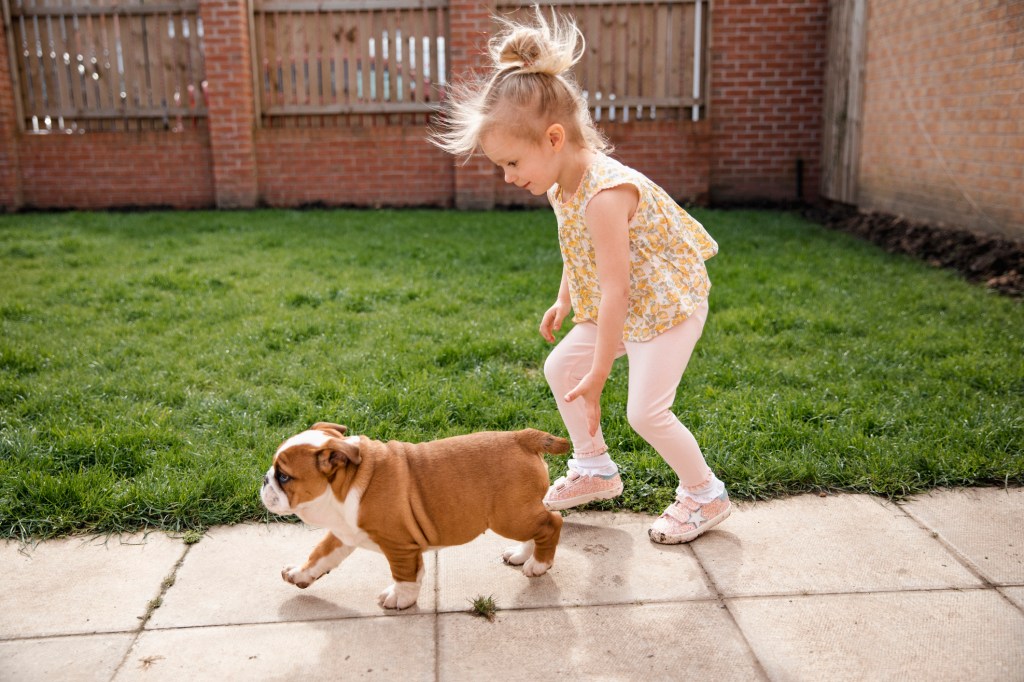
pixel 589 388
pixel 552 321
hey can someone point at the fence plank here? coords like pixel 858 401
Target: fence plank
pixel 683 73
pixel 323 60
pixel 676 73
pixel 661 53
pixel 632 18
pixel 647 52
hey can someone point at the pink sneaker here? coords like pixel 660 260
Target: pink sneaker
pixel 685 519
pixel 576 489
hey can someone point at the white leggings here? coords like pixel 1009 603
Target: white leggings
pixel 655 370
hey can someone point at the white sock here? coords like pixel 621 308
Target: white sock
pixel 714 489
pixel 601 465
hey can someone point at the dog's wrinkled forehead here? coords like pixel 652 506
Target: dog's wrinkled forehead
pixel 312 439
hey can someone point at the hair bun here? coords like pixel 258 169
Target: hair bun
pixel 551 48
pixel 521 50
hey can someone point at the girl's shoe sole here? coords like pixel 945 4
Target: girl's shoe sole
pixel 561 505
pixel 663 539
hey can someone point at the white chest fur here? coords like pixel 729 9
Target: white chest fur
pixel 338 517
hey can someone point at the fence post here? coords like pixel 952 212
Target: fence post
pixel 468 30
pixel 10 167
pixel 229 102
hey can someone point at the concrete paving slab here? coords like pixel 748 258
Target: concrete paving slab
pixel 813 545
pixel 75 658
pixel 983 524
pixel 348 649
pixel 82 585
pixel 233 576
pixel 602 558
pixel 1016 595
pixel 689 640
pixel 930 635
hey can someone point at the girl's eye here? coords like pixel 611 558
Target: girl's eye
pixel 513 164
pixel 283 478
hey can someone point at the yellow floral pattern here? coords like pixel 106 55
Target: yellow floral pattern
pixel 668 280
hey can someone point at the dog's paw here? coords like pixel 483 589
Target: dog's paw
pixel 296 576
pixel 399 595
pixel 533 568
pixel 517 556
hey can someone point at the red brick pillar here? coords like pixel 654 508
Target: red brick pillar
pixel 469 27
pixel 229 100
pixel 10 168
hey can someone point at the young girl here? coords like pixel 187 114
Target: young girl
pixel 633 266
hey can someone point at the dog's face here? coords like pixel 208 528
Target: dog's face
pixel 305 465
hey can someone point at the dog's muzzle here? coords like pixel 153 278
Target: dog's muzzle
pixel 272 496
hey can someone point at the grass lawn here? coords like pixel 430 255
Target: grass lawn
pixel 150 363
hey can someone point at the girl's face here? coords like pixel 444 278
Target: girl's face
pixel 531 166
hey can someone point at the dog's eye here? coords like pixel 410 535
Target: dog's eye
pixel 282 477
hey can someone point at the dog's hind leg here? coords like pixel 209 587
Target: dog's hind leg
pixel 537 553
pixel 545 543
pixel 517 556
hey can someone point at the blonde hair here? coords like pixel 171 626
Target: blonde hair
pixel 530 86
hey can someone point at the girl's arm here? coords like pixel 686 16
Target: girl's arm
pixel 552 320
pixel 607 217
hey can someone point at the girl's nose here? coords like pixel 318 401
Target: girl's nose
pixel 508 176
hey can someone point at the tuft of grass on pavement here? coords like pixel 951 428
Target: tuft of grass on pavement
pixel 150 363
pixel 485 607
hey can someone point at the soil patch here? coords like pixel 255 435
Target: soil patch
pixel 997 262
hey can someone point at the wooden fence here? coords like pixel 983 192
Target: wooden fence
pixel 138 64
pixel 323 58
pixel 105 64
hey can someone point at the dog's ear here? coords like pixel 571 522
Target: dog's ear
pixel 327 426
pixel 337 453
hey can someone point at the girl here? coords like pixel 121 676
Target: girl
pixel 633 266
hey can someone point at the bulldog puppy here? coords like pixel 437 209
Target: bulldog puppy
pixel 402 499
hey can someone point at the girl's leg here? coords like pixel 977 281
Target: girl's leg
pixel 655 370
pixel 592 473
pixel 567 364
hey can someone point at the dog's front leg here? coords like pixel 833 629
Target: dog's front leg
pixel 325 557
pixel 407 570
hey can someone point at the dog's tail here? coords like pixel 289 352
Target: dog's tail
pixel 541 442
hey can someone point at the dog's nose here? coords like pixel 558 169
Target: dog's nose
pixel 266 480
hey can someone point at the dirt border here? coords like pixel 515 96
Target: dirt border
pixel 997 262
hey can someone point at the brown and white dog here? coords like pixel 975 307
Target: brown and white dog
pixel 402 499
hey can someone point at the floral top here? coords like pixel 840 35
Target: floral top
pixel 668 280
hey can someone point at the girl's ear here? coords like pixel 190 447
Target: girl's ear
pixel 555 136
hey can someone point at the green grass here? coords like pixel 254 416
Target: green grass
pixel 150 363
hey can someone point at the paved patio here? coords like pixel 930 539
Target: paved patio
pixel 846 587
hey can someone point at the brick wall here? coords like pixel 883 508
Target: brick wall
pixel 767 85
pixel 943 113
pixel 766 82
pixel 101 170
pixel 383 165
